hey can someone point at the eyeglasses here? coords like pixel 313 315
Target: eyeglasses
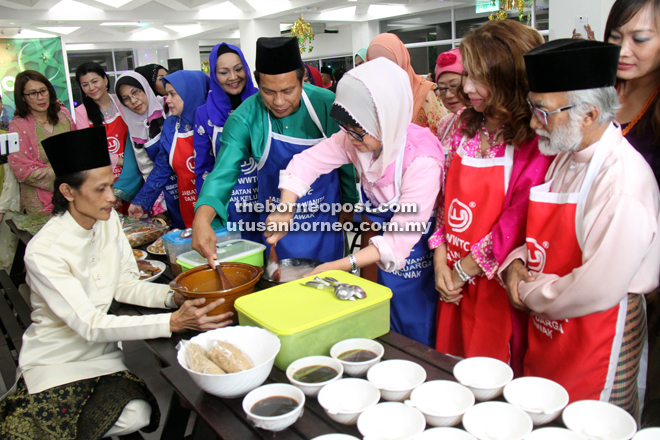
pixel 34 95
pixel 131 96
pixel 357 136
pixel 443 90
pixel 542 115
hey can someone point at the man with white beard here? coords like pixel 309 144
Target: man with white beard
pixel 592 246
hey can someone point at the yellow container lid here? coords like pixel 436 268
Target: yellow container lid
pixel 292 308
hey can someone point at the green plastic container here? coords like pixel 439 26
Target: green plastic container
pixel 234 251
pixel 310 321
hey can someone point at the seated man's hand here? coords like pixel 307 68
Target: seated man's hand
pixel 193 315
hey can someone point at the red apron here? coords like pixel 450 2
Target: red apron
pixel 182 161
pixel 474 196
pixel 581 353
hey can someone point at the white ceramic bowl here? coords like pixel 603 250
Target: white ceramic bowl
pixel 553 434
pixel 336 437
pixel 345 399
pixel 442 402
pixel 357 369
pixel 485 377
pixel 260 345
pixel 497 421
pixel 396 378
pixel 445 434
pixel 277 423
pixel 601 420
pixel 647 434
pixel 391 420
pixel 542 399
pixel 312 389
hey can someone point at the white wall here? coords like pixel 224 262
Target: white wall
pixel 188 50
pixel 331 45
pixel 563 12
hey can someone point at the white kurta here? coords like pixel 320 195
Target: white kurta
pixel 621 249
pixel 74 274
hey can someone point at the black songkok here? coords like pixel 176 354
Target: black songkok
pixel 278 55
pixel 78 150
pixel 569 64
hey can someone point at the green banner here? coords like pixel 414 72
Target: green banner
pixel 44 55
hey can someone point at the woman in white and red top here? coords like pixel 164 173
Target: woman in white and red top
pixel 99 107
pixel 493 162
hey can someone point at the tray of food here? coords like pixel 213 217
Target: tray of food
pixel 142 232
pixel 157 247
pixel 150 270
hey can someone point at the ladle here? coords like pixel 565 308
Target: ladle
pixel 225 283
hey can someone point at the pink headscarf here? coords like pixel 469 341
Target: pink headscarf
pixel 391 47
pixel 449 61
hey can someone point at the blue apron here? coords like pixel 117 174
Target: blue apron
pixel 244 192
pixel 414 299
pixel 305 242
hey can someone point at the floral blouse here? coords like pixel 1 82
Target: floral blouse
pixel 431 112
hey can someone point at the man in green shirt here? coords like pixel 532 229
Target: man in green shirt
pixel 283 119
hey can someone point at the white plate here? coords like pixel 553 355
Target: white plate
pixel 158 264
pixel 154 253
pixel 143 254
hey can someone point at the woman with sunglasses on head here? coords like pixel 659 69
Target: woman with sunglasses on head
pixel 448 74
pixel 102 108
pixel 635 26
pixel 400 163
pixel 493 162
pixel 38 116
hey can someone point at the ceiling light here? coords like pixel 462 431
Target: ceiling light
pixel 223 11
pixel 114 3
pixel 185 28
pixel 151 34
pixel 60 30
pixel 123 23
pixel 69 6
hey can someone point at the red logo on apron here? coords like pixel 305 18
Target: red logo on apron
pixel 113 145
pixel 535 255
pixel 190 163
pixel 460 216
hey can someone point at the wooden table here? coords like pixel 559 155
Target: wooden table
pixel 225 419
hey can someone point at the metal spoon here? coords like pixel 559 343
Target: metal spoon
pixel 186 233
pixel 357 291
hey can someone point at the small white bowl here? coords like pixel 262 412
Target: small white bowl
pixel 396 378
pixel 357 369
pixel 336 437
pixel 277 423
pixel 260 345
pixel 445 434
pixel 442 402
pixel 345 399
pixel 601 420
pixel 647 434
pixel 497 420
pixel 484 376
pixel 391 420
pixel 312 389
pixel 542 399
pixel 553 434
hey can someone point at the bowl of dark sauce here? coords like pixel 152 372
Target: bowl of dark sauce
pixel 274 407
pixel 357 355
pixel 312 373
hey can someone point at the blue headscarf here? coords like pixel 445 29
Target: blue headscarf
pixel 192 86
pixel 218 103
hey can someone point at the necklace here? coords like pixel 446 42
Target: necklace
pixel 42 123
pixel 491 137
pixel 639 115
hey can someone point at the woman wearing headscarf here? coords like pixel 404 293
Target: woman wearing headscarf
pixel 427 110
pixel 102 108
pixel 448 75
pixel 361 56
pixel 231 84
pixel 400 163
pixel 174 166
pixel 154 73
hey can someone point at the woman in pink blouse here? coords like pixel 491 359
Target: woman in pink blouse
pixel 492 163
pixel 39 115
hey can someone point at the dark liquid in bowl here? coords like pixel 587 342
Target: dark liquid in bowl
pixel 357 355
pixel 274 406
pixel 315 374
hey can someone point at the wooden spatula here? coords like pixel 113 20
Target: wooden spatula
pixel 226 284
pixel 273 269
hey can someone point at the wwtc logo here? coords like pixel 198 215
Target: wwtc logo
pixel 459 216
pixel 249 166
pixel 190 163
pixel 535 255
pixel 113 145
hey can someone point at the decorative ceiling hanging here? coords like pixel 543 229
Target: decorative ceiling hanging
pixel 510 5
pixel 304 33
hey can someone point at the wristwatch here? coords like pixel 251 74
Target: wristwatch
pixel 169 300
pixel 354 267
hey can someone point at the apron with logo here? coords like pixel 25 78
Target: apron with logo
pixel 303 241
pixel 245 193
pixel 581 353
pixel 414 298
pixel 116 131
pixel 474 195
pixel 182 161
